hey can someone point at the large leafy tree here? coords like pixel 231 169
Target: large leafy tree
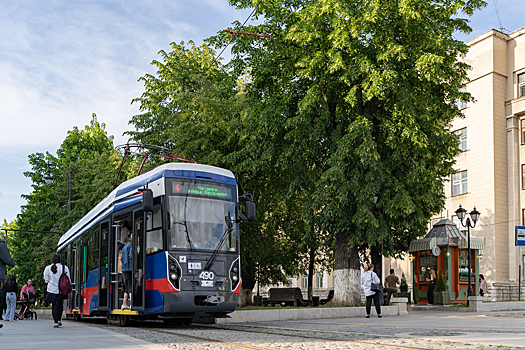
pixel 356 98
pixel 195 105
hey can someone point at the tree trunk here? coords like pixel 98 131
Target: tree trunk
pixel 347 273
pixel 245 298
pixel 377 260
pixel 311 266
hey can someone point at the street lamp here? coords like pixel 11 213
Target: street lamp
pixel 474 215
pixel 49 179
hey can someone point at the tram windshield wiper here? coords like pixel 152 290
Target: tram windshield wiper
pixel 229 228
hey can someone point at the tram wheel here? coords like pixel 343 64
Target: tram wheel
pixel 123 320
pixel 77 317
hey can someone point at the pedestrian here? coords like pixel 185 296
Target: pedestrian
pixel 52 274
pixel 391 283
pixel 431 285
pixel 27 287
pixel 367 279
pixel 483 288
pixel 5 259
pixel 3 304
pixel 11 289
pixel 126 260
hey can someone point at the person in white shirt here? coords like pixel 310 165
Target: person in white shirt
pixel 367 279
pixel 52 275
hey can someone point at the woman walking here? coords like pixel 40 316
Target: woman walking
pixel 367 279
pixel 11 289
pixel 52 275
pixel 431 286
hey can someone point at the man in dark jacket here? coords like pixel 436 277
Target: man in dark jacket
pixel 5 259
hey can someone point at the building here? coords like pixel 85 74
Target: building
pixel 491 167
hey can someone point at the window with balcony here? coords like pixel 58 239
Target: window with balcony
pixel 462 139
pixel 460 183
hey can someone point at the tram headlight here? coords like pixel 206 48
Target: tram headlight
pixel 235 275
pixel 174 272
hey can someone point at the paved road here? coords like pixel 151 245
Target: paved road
pixel 420 330
pixel 40 334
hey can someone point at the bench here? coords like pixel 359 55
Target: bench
pixel 328 298
pixel 288 297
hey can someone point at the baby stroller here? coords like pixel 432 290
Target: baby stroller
pixel 25 307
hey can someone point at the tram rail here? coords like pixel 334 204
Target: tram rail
pixel 271 331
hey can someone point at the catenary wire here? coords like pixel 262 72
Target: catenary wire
pixel 168 118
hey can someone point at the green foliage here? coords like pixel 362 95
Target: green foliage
pixel 208 123
pixel 403 287
pixel 441 285
pixel 89 154
pixel 356 102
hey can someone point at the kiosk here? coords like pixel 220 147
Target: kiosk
pixel 444 249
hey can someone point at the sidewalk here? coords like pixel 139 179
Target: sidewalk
pixel 40 335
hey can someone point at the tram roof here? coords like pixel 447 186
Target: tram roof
pixel 125 194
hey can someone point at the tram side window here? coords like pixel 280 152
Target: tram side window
pixel 154 241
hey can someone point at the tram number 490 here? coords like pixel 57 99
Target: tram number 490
pixel 206 275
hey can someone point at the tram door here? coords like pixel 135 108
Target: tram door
pixel 75 283
pixel 139 260
pixel 115 276
pixel 103 282
pixel 83 304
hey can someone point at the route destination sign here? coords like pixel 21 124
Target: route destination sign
pixel 201 190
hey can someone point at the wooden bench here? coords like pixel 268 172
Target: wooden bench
pixel 330 297
pixel 288 297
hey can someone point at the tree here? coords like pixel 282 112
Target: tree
pixel 361 94
pixel 194 105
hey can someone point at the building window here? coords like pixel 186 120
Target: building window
pixel 462 139
pixel 305 282
pixel 460 103
pixel 320 281
pixel 460 183
pixel 521 84
pixel 523 217
pixel 523 131
pixel 523 176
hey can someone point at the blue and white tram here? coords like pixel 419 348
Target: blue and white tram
pixel 184 219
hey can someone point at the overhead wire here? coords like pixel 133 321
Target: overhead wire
pixel 205 72
pixel 497 15
pixel 168 118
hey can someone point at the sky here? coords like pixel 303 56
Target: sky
pixel 63 60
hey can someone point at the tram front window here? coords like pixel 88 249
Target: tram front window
pixel 196 218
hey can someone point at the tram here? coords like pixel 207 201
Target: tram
pixel 184 219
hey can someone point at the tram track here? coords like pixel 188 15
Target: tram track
pixel 271 331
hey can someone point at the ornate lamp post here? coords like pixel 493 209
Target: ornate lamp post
pixel 474 215
pixel 49 179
